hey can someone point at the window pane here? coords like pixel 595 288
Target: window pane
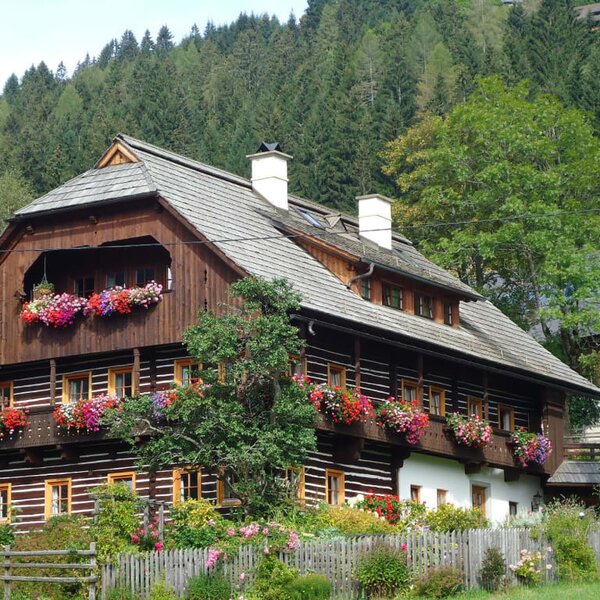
pixel 189 486
pixel 512 508
pixel 124 385
pixel 5 396
pixel 3 503
pixel 115 278
pixel 434 403
pixel 505 419
pixel 392 296
pixel 410 393
pixel 365 288
pixel 78 388
pixel 333 483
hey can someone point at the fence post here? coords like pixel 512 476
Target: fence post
pixel 93 577
pixel 7 574
pixel 161 520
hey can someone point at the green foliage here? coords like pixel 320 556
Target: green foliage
pixel 162 591
pixel 448 517
pixel 14 193
pixel 250 421
pixel 492 571
pixel 117 519
pixel 567 527
pixel 7 535
pixel 208 586
pixel 349 520
pixel 272 580
pixel 384 572
pixel 439 583
pixel 121 593
pixel 188 524
pixel 309 587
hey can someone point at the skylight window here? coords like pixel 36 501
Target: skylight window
pixel 311 218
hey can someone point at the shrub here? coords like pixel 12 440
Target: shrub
pixel 272 580
pixel 384 572
pixel 352 520
pixel 493 570
pixel 567 526
pixel 309 587
pixel 448 517
pixel 192 524
pixel 396 511
pixel 162 591
pixel 121 593
pixel 7 535
pixel 440 583
pixel 208 587
pixel 530 567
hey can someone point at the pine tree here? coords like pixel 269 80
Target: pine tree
pixel 164 41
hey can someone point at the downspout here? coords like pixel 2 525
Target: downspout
pixel 361 276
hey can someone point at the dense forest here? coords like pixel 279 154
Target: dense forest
pixel 462 109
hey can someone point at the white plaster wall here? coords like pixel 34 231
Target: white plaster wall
pixel 432 473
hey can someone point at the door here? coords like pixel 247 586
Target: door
pixel 478 496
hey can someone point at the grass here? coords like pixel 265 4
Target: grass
pixel 562 591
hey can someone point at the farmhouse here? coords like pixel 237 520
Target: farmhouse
pixel 375 314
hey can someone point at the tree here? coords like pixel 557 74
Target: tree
pixel 164 41
pixel 503 154
pixel 248 421
pixel 14 193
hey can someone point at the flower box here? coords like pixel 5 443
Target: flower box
pixel 12 419
pixel 469 431
pixel 405 417
pixel 84 415
pixel 530 447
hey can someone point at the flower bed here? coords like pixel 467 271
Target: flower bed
pixel 403 417
pixel 389 507
pixel 342 405
pixel 85 414
pixel 470 431
pixel 530 447
pixel 12 419
pixel 61 310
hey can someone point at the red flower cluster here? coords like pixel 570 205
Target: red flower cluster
pixel 85 414
pixel 342 405
pixel 13 418
pixel 405 417
pixel 389 507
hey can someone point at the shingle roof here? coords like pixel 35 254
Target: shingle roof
pixel 576 472
pixel 223 208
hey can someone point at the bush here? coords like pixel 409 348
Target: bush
pixel 7 535
pixel 208 587
pixel 448 517
pixel 272 580
pixel 567 526
pixel 309 587
pixel 351 520
pixel 121 593
pixel 384 572
pixel 493 570
pixel 162 591
pixel 440 583
pixel 190 526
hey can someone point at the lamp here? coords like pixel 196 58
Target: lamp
pixel 536 502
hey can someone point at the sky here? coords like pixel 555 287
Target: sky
pixel 32 31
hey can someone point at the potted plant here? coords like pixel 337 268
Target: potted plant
pixel 530 447
pixel 342 405
pixel 469 431
pixel 405 417
pixel 43 288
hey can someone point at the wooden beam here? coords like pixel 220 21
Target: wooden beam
pixel 33 456
pixel 117 154
pixel 357 361
pixel 399 456
pixel 511 475
pixel 52 382
pixel 347 449
pixel 152 369
pixel 472 468
pixel 486 403
pixel 69 452
pixel 136 370
pixel 420 378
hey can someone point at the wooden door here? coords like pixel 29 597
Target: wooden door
pixel 478 494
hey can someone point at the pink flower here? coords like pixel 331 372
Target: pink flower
pixel 403 547
pixel 266 550
pixel 231 531
pixel 159 546
pixel 242 576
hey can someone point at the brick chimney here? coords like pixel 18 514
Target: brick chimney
pixel 375 219
pixel 269 174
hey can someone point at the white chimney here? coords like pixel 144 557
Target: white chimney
pixel 375 219
pixel 269 174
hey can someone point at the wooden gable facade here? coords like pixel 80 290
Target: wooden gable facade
pixel 94 241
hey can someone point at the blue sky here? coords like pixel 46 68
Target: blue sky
pixel 55 30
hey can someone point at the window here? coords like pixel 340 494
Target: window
pixel 392 295
pixel 187 484
pixel 365 288
pixel 448 313
pixel 77 387
pixel 144 276
pixel 415 494
pixel 5 499
pixel 297 365
pixel 475 407
pixel 410 391
pixel 84 287
pixel 186 370
pixel 225 496
pixel 58 497
pixel 225 371
pixel 115 278
pixel 506 417
pixel 336 376
pixel 442 497
pixel 478 496
pixel 6 394
pixel 437 401
pixel 423 305
pixel 334 487
pixel 295 478
pixel 120 382
pixel 126 477
pixel 513 508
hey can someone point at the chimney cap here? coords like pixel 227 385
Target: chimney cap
pixel 269 147
pixel 378 196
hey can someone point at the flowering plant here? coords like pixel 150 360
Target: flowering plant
pixel 529 568
pixel 58 310
pixel 13 418
pixel 162 401
pixel 121 300
pixel 404 417
pixel 530 447
pixel 148 538
pixel 342 405
pixel 389 507
pixel 470 431
pixel 85 414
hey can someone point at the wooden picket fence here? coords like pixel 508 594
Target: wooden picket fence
pixel 337 559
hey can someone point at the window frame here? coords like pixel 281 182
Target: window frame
pixel 178 366
pixel 108 273
pixel 85 279
pixel 49 484
pixel 430 305
pixel 417 490
pixel 11 394
pixel 65 385
pixel 483 489
pixel 512 504
pixel 177 473
pixel 223 502
pixel 477 402
pixel 511 411
pixel 391 287
pixel 112 374
pixel 336 368
pixel 8 488
pixel 338 474
pixel 433 389
pixel 301 491
pixel 440 493
pixel 448 308
pixel 365 289
pixel 145 267
pixel 120 476
pixel 409 384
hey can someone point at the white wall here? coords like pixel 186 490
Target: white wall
pixel 432 473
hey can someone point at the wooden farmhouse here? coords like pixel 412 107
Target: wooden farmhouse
pixel 375 314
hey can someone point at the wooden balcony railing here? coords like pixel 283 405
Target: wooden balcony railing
pixel 582 451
